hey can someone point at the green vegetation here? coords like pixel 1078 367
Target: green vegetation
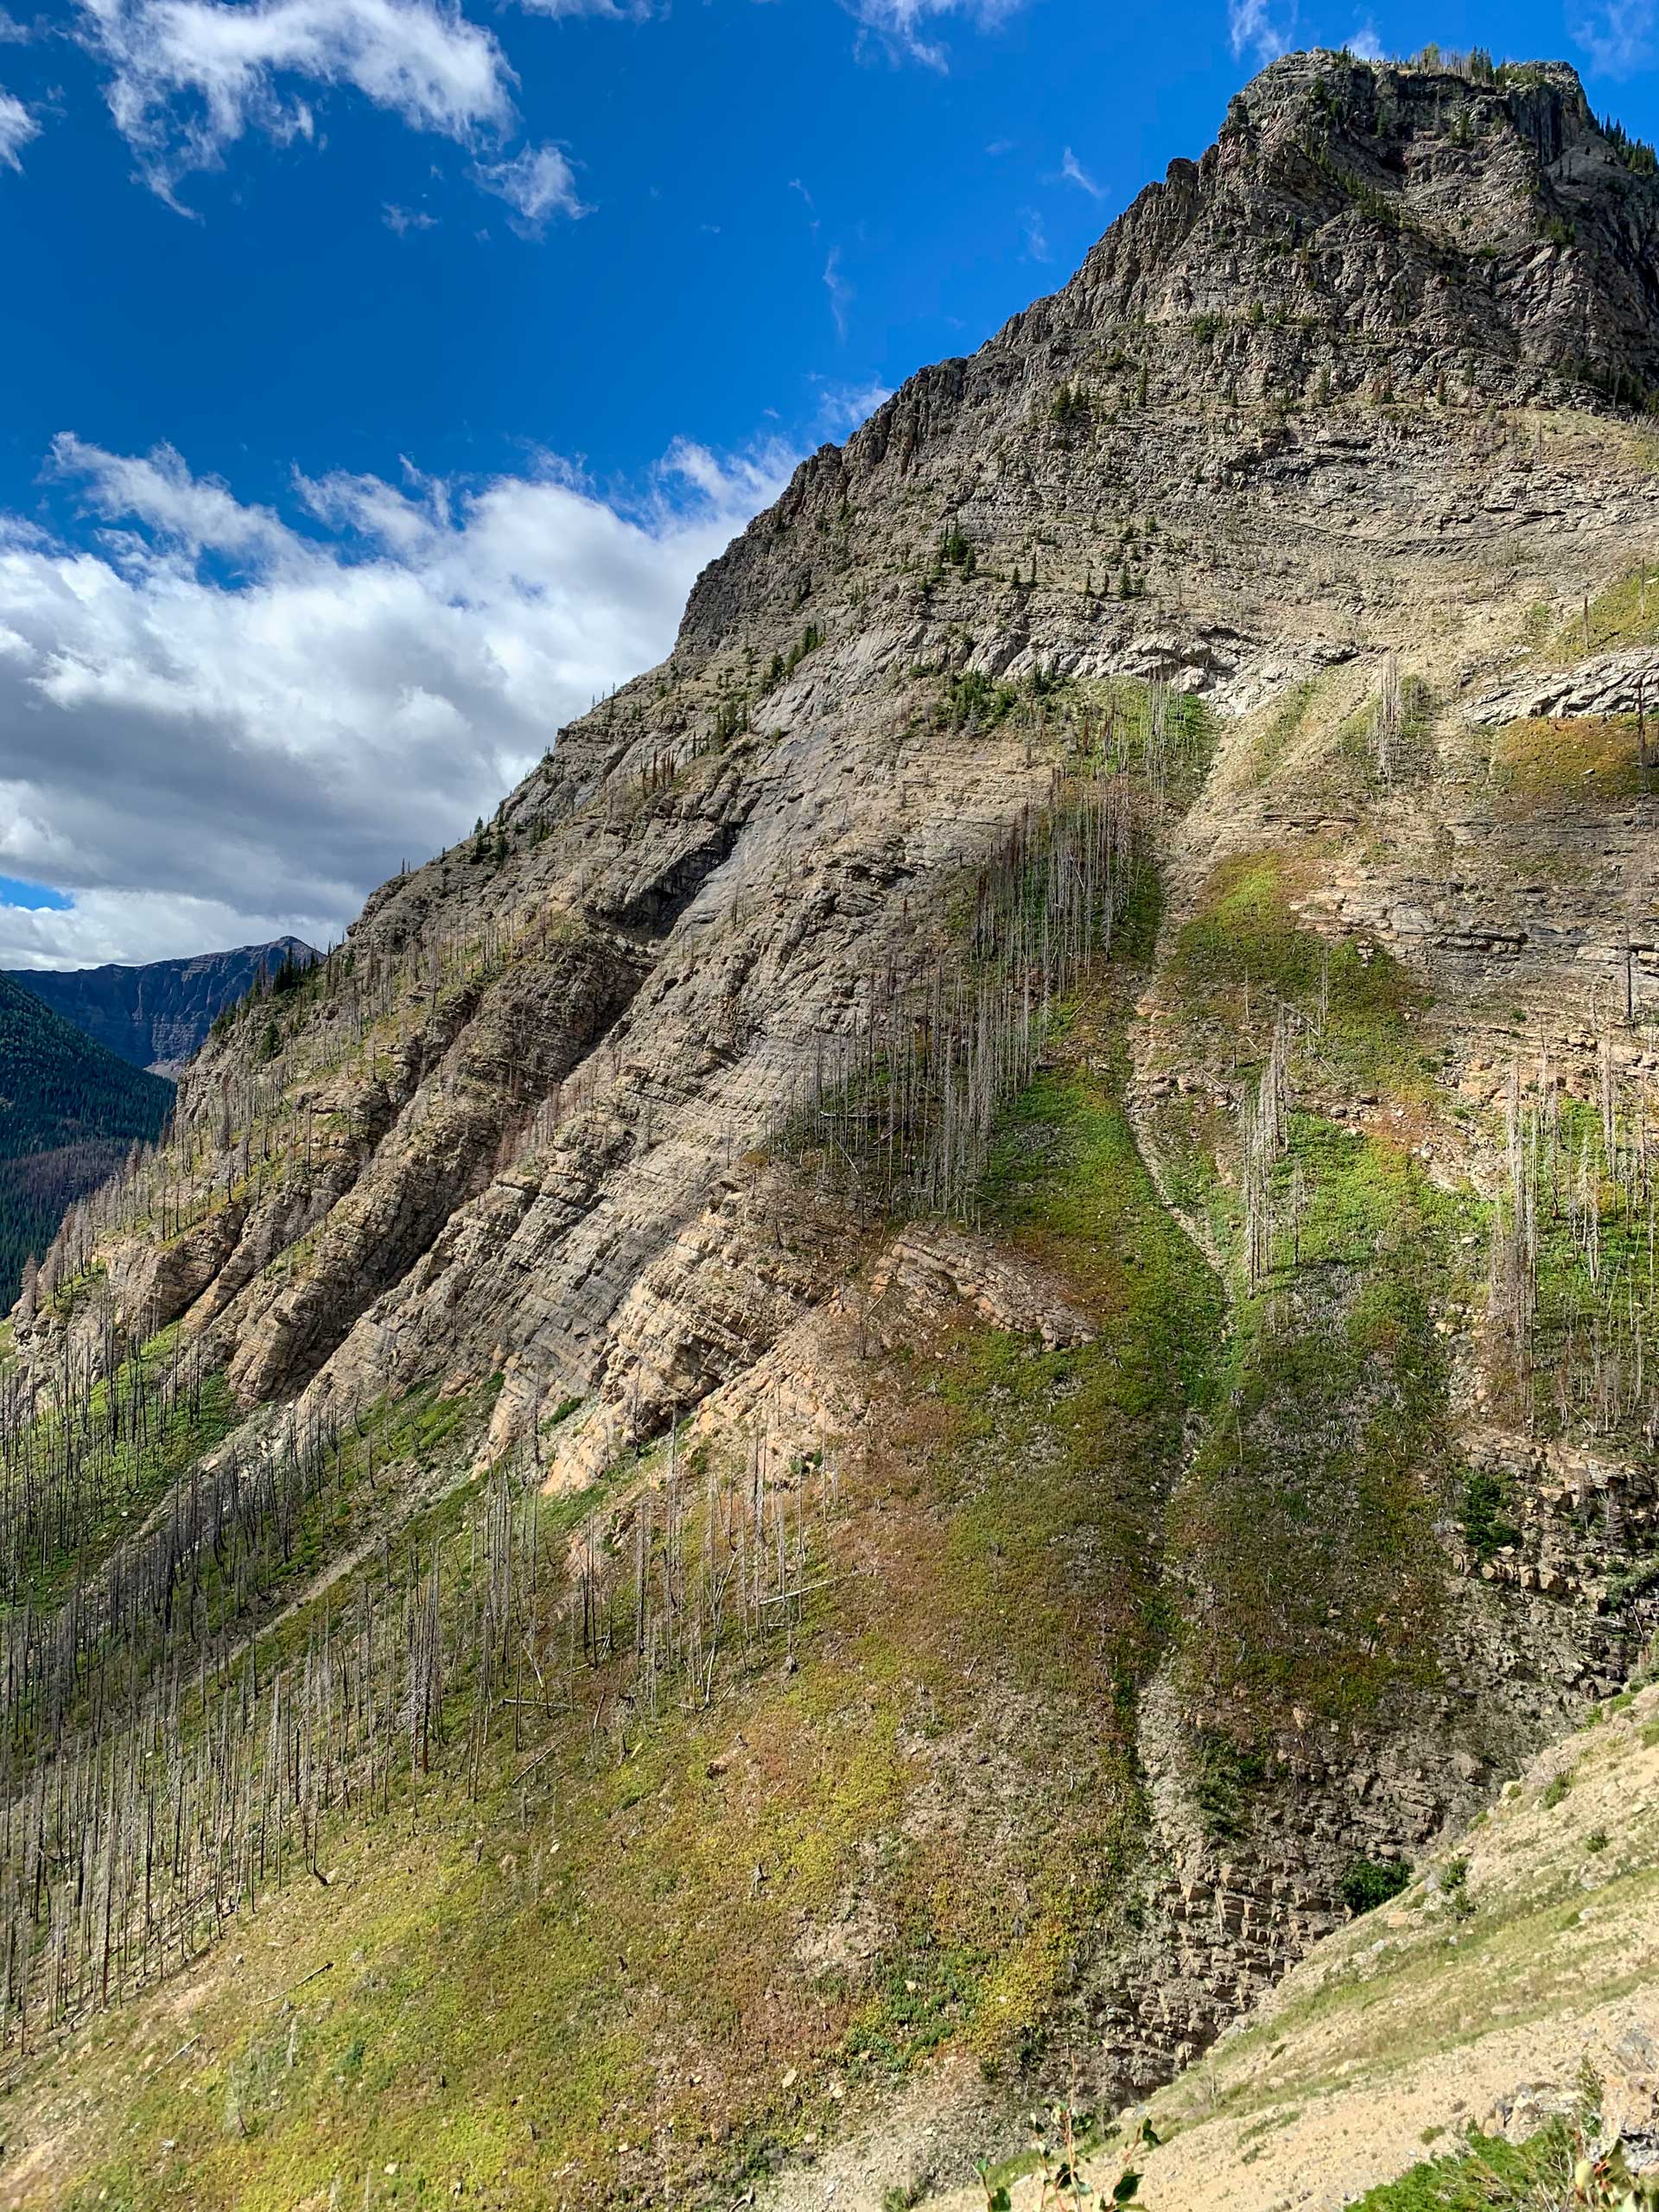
pixel 1540 764
pixel 1308 1522
pixel 783 664
pixel 1243 953
pixel 1488 2175
pixel 1485 1504
pixel 1633 154
pixel 1369 1883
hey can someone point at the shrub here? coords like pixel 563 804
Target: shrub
pixel 1370 1882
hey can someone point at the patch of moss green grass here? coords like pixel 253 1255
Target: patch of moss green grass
pixel 1544 763
pixel 1308 1519
pixel 1626 614
pixel 1243 953
pixel 1486 2174
pixel 135 1468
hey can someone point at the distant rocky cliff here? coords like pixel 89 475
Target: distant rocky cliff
pixel 158 1014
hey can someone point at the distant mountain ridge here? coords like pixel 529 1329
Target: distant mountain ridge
pixel 157 1015
pixel 70 1112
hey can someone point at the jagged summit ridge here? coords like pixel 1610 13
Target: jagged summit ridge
pixel 1357 229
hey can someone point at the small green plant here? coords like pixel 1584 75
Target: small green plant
pixel 1596 1840
pixel 1069 409
pixel 1555 1790
pixel 957 552
pixel 1369 1883
pixel 1484 1516
pixel 1454 1887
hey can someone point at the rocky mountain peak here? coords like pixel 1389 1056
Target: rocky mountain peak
pixel 1018 1193
pixel 1358 232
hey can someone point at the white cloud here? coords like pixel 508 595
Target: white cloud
pixel 187 78
pixel 1618 36
pixel 1365 44
pixel 201 761
pixel 840 292
pixel 615 11
pixel 904 28
pixel 404 219
pixel 1252 29
pixel 1036 236
pixel 536 183
pixel 18 127
pixel 842 406
pixel 1073 172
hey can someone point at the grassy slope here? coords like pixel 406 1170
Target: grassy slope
pixel 688 1941
pixel 1518 1953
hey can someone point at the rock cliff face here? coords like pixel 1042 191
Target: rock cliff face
pixel 158 1014
pixel 1320 507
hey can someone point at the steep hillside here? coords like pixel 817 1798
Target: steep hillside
pixel 70 1113
pixel 1456 2045
pixel 158 1014
pixel 843 1430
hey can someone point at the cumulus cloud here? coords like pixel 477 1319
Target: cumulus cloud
pixel 905 30
pixel 1365 43
pixel 217 721
pixel 536 183
pixel 1252 30
pixel 18 127
pixel 187 78
pixel 1618 36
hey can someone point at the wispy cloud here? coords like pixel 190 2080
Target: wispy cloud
pixel 842 406
pixel 840 292
pixel 187 78
pixel 1365 43
pixel 904 30
pixel 18 127
pixel 1252 30
pixel 1036 236
pixel 1618 36
pixel 1073 172
pixel 536 183
pixel 618 11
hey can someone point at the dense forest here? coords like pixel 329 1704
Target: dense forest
pixel 69 1112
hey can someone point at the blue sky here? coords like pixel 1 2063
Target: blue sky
pixel 379 371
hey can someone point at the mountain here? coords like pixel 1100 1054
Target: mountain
pixel 70 1113
pixel 158 1014
pixel 841 1433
